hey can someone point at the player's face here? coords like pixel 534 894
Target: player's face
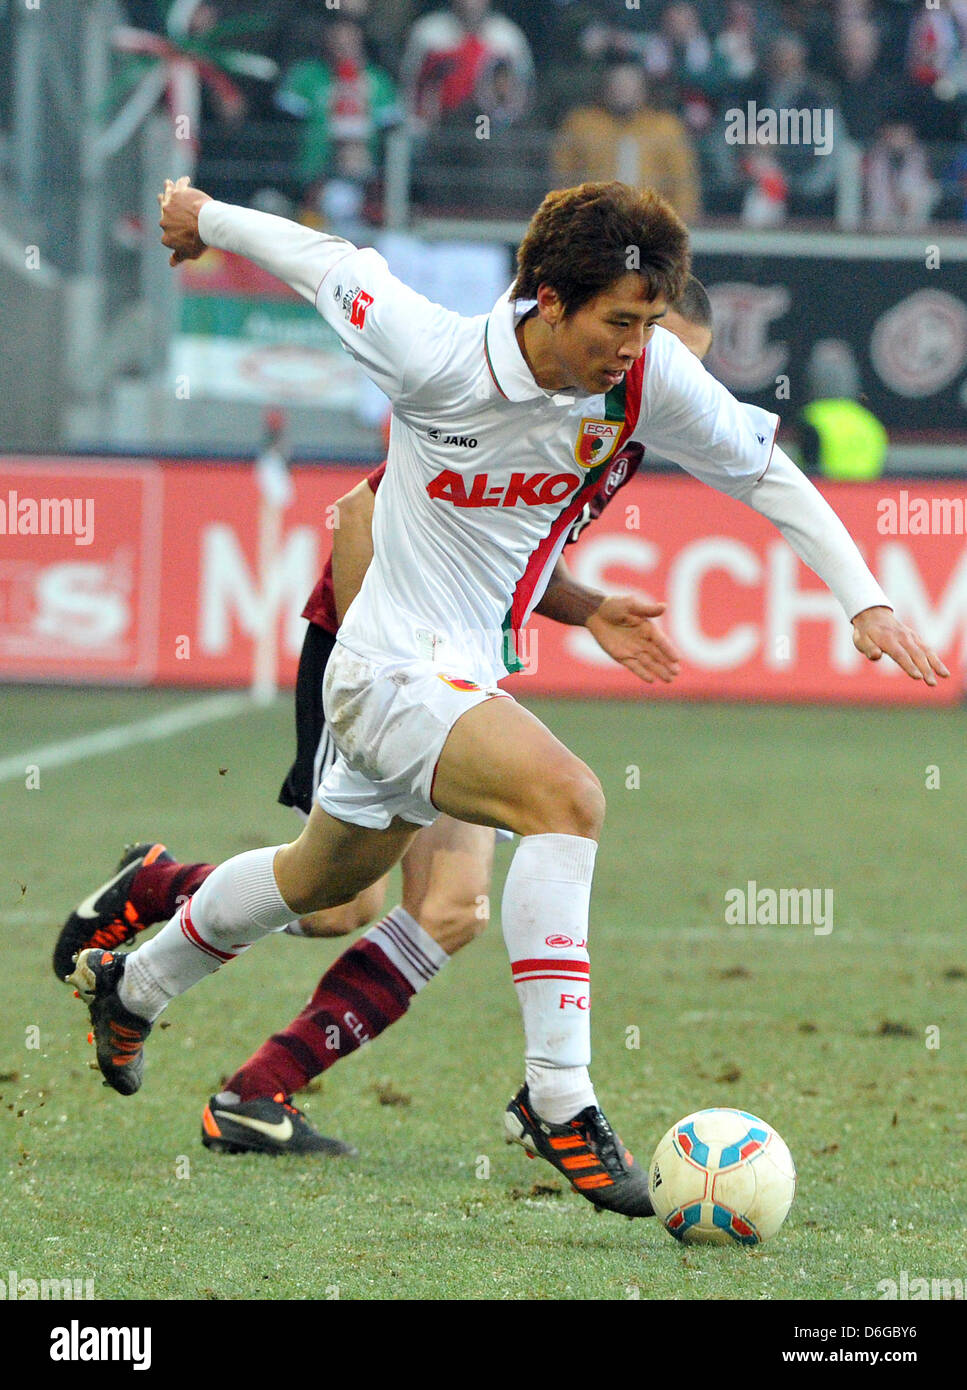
pixel 696 338
pixel 597 343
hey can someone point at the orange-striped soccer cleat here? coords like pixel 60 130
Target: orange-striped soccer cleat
pixel 107 917
pixel 117 1034
pixel 587 1152
pixel 264 1126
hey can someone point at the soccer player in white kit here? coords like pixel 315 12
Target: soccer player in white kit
pixel 501 425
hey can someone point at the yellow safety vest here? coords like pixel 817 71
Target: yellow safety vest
pixel 852 442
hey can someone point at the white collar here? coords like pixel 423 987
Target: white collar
pixel 512 376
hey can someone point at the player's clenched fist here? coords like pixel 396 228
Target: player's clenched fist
pixel 180 206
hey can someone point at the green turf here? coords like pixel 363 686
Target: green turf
pixel 825 1036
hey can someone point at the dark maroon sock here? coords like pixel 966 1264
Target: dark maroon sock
pixel 158 890
pixel 360 994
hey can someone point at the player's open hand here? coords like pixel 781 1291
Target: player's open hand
pixel 626 630
pixel 180 206
pixel 878 631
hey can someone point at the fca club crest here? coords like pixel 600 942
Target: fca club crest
pixel 597 441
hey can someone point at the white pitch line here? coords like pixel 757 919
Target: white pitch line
pixel 119 736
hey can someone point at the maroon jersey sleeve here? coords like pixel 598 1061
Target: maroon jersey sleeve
pixel 623 466
pixel 321 605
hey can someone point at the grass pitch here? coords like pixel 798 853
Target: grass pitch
pixel 850 1043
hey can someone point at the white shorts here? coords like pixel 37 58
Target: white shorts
pixel 390 722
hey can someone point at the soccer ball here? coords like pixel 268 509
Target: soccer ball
pixel 722 1177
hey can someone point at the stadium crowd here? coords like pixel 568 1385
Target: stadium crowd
pixel 509 96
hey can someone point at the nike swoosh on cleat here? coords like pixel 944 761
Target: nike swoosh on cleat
pixel 281 1131
pixel 88 907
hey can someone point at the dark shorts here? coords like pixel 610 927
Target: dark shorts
pixel 315 750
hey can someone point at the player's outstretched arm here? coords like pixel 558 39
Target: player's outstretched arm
pixel 300 256
pixel 820 539
pixel 878 631
pixel 401 339
pixel 692 419
pixel 622 626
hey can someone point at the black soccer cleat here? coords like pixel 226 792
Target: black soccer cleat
pixel 107 918
pixel 587 1152
pixel 117 1034
pixel 265 1126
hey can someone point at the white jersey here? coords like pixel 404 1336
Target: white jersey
pixel 487 471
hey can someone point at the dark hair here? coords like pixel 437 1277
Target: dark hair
pixel 694 304
pixel 581 240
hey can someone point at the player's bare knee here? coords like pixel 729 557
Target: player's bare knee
pixel 575 803
pixel 454 923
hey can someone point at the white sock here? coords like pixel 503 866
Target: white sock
pixel 545 922
pixel 237 905
pixel 406 945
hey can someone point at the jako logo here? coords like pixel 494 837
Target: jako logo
pixel 538 490
pixel 76 1343
pixel 463 441
pixel 561 941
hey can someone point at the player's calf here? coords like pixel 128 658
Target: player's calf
pixel 332 861
pixel 366 907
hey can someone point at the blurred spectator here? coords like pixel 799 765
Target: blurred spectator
pixel 766 197
pixel 502 94
pixel 681 48
pixel 937 65
pixel 838 437
pixel 340 204
pixel 898 190
pixel 384 23
pixel 451 56
pixel 954 182
pixel 791 86
pixel 625 138
pixel 736 47
pixel 813 23
pixel 937 49
pixel 340 96
pixel 868 94
pixel 680 54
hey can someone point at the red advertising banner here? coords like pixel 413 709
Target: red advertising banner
pixel 750 620
pixel 171 573
pixel 80 570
